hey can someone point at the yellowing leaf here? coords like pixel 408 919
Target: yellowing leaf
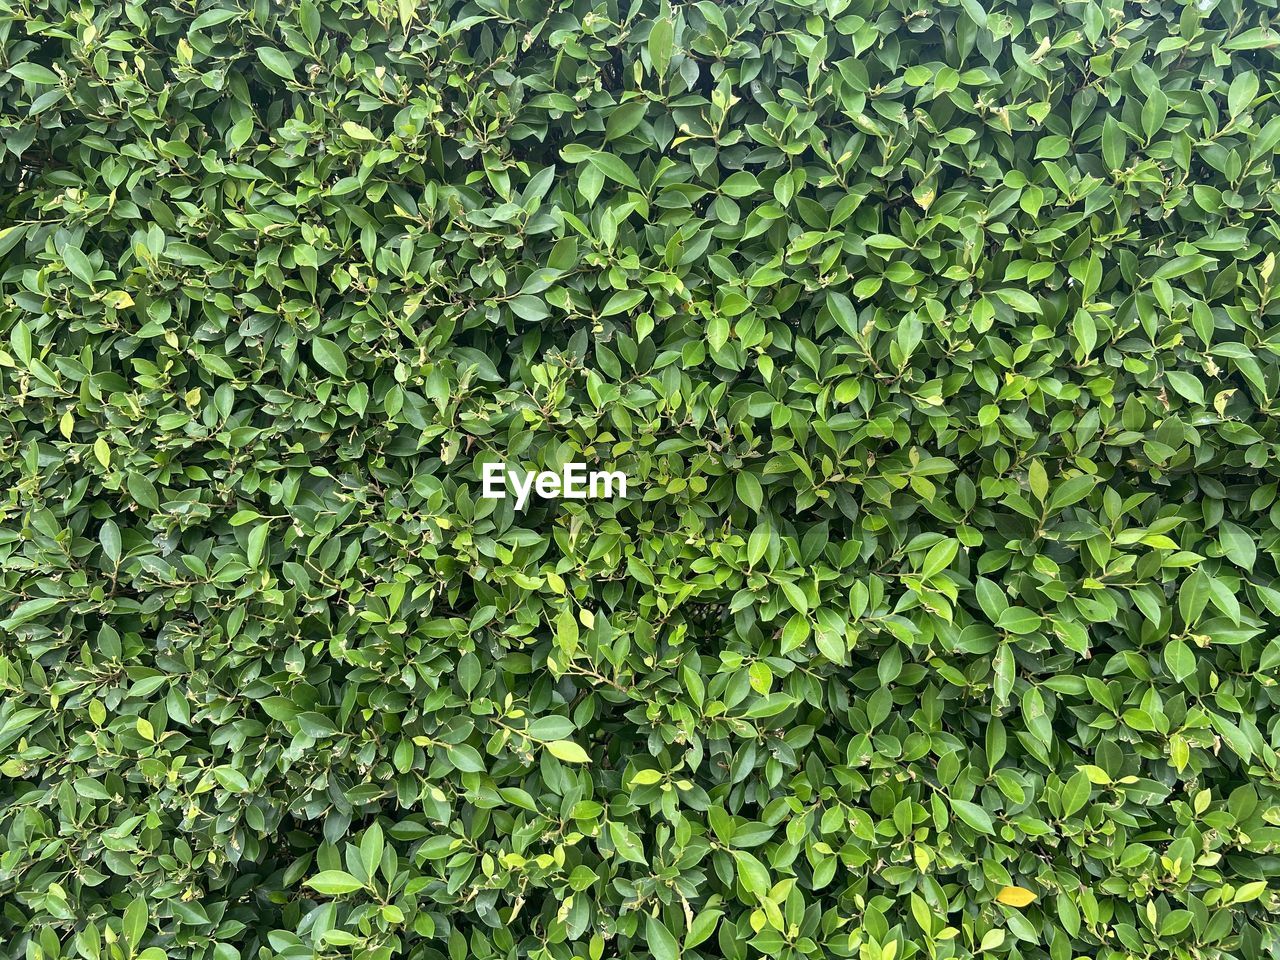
pixel 567 751
pixel 102 451
pixel 1038 479
pixel 1016 897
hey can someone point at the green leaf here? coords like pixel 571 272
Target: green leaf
pixel 661 37
pixel 1114 143
pixel 276 61
pixel 333 883
pixel 135 921
pixel 78 264
pixel 466 758
pixel 991 598
pixel 974 11
pixel 213 18
pixel 10 237
pixel 1154 112
pixel 626 843
pixel 1255 38
pixel 1241 92
pixel 1179 659
pixel 143 491
pixel 1071 491
pixel 371 847
pixel 1237 544
pixel 229 778
pixel 551 728
pixel 1075 794
pixel 622 301
pixel 30 609
pixel 624 119
pixel 1020 300
pixel 973 815
pixel 662 945
pixel 358 131
pixel 1020 621
pixel 329 356
pixel 843 311
pixel 939 557
pixel 753 874
pixel 613 168
pixel 749 490
pixel 1193 595
pixel 1037 479
pixel 567 633
pixel 1186 385
pixel 703 926
pixel 34 73
pixel 109 538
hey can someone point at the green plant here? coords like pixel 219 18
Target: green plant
pixel 937 341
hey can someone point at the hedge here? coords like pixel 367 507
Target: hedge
pixel 939 343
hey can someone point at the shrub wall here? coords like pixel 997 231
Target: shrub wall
pixel 938 341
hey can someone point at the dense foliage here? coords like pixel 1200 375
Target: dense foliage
pixel 939 341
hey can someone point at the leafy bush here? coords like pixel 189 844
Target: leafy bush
pixel 938 342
